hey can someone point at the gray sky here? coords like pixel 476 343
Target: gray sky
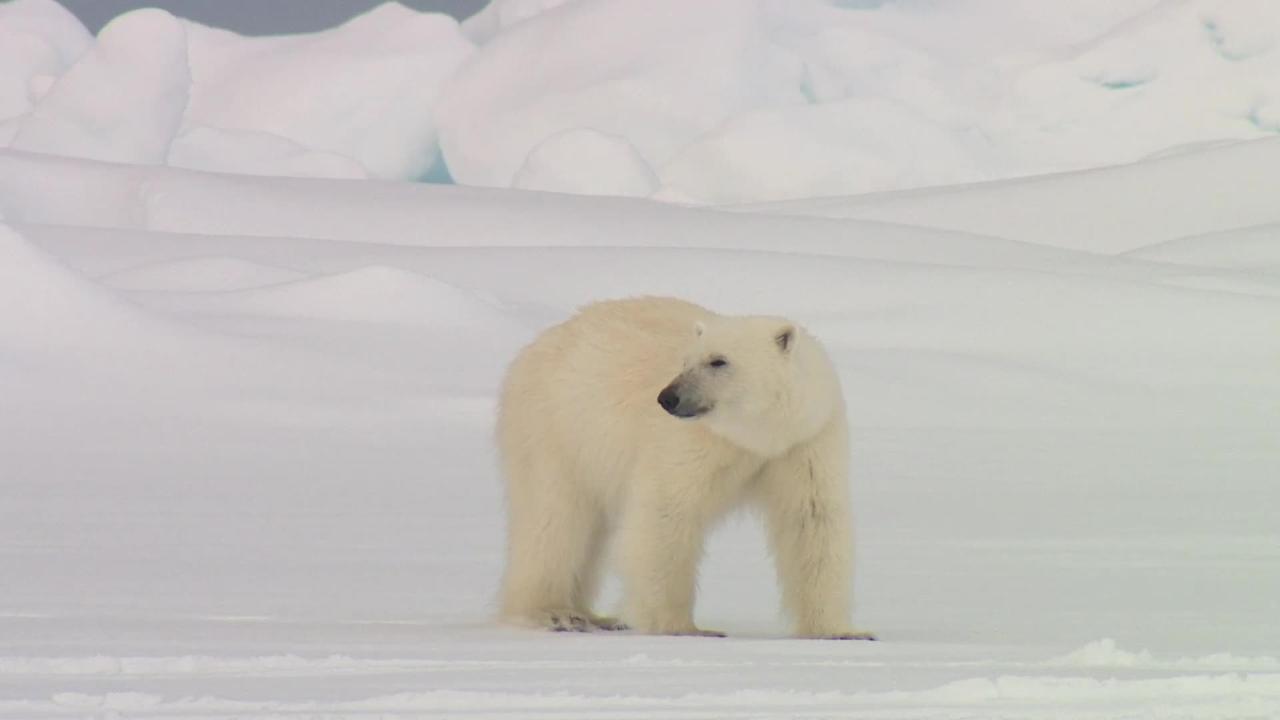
pixel 259 17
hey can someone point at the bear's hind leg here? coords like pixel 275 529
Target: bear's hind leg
pixel 550 528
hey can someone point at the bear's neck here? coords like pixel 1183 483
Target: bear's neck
pixel 811 401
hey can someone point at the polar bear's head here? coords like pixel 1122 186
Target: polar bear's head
pixel 760 382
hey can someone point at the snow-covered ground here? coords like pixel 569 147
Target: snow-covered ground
pixel 247 372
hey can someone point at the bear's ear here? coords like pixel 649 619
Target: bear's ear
pixel 699 328
pixel 785 338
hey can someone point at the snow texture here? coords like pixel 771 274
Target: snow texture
pixel 356 101
pixel 765 100
pixel 122 101
pixel 39 40
pixel 247 389
pixel 586 162
pixel 365 91
pixel 723 101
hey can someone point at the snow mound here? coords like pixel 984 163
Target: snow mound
pixel 46 306
pixel 39 40
pixel 365 90
pixel 351 102
pixel 1180 73
pixel 1108 210
pixel 1250 248
pixel 499 15
pixel 586 162
pixel 845 147
pixel 1106 653
pixel 123 101
pixel 202 274
pixel 723 101
pixel 69 191
pixel 755 101
pixel 658 74
pixel 249 152
pixel 375 293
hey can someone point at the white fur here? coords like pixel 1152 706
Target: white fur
pixel 588 453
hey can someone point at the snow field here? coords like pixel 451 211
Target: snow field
pixel 247 373
pixel 275 442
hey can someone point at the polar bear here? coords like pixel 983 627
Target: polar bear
pixel 648 419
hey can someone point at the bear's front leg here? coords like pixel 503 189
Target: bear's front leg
pixel 660 545
pixel 804 496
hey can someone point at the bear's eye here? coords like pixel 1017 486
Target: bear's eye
pixel 717 362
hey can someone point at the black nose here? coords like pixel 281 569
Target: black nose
pixel 668 399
